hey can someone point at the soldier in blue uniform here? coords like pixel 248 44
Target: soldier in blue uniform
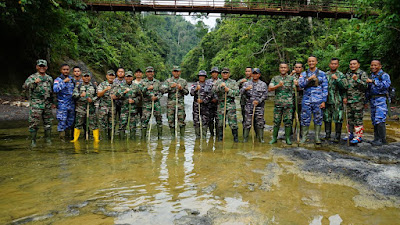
pixel 64 87
pixel 315 86
pixel 378 86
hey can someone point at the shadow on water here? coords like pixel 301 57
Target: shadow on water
pixel 182 181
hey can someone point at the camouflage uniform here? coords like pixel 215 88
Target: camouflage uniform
pixel 299 98
pixel 355 103
pixel 205 95
pixel 118 102
pixel 243 97
pixel 133 94
pixel 139 105
pixel 105 106
pixel 147 103
pixel 41 98
pixel 283 108
pixel 66 104
pixel 212 108
pixel 258 92
pixel 81 105
pixel 171 104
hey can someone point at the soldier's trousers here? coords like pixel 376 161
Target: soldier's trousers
pixel 379 110
pixel 259 120
pixel 355 112
pixel 171 109
pixel 203 114
pixel 65 116
pixel 294 111
pixel 81 118
pixel 333 112
pixel 243 108
pixel 147 113
pixel 230 115
pixel 105 117
pixel 309 109
pixel 285 113
pixel 36 113
pixel 125 117
pixel 212 110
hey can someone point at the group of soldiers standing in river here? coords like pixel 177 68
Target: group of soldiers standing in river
pixel 325 96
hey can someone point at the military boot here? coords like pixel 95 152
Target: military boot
pixel 382 132
pixel 304 133
pixel 260 132
pixel 159 132
pixel 132 134
pixel 338 132
pixel 211 127
pixel 376 135
pixel 246 135
pixel 317 132
pixel 104 135
pixel 47 135
pixel 33 138
pixel 77 132
pixel 235 134
pixel 62 136
pixel 182 131
pixel 220 133
pixel 121 135
pixel 197 132
pixel 328 130
pixel 274 135
pixel 96 136
pixel 109 134
pixel 144 133
pixel 287 135
pixel 204 133
pixel 172 131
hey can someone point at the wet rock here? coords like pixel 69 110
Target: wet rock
pixel 193 220
pixel 210 188
pixel 335 220
pixel 270 176
pixel 192 211
pixel 33 218
pixel 142 208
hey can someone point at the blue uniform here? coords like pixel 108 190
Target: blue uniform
pixel 66 104
pixel 377 94
pixel 315 92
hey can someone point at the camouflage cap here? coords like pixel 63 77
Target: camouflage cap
pixel 41 62
pixel 86 73
pixel 129 73
pixel 149 69
pixel 138 70
pixel 225 70
pixel 111 72
pixel 176 68
pixel 202 73
pixel 257 70
pixel 214 69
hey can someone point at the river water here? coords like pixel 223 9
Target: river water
pixel 173 182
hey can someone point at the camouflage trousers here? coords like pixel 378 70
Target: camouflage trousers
pixel 230 115
pixel 125 117
pixel 333 112
pixel 35 114
pixel 212 114
pixel 355 113
pixel 294 111
pixel 309 109
pixel 285 113
pixel 204 114
pixel 243 110
pixel 379 110
pixel 65 116
pixel 105 117
pixel 171 109
pixel 259 120
pixel 80 118
pixel 147 113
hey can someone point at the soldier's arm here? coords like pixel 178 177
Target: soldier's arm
pixel 233 90
pixel 264 94
pixel 29 83
pixel 53 96
pixel 185 89
pixel 362 81
pixel 58 85
pixel 119 92
pixel 94 94
pixel 76 93
pixel 193 89
pixel 324 86
pixel 383 83
pixel 302 81
pixel 342 82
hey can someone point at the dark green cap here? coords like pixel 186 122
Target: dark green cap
pixel 176 68
pixel 149 69
pixel 111 72
pixel 41 62
pixel 129 74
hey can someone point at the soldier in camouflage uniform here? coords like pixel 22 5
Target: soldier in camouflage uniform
pixel 228 87
pixel 378 86
pixel 298 69
pixel 337 86
pixel 354 100
pixel 315 86
pixel 256 92
pixel 41 99
pixel 152 91
pixel 120 79
pixel 176 86
pixel 213 104
pixel 248 73
pixel 202 95
pixel 85 94
pixel 106 93
pixel 129 94
pixel 283 85
pixel 138 81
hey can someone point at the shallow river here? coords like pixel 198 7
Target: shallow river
pixel 167 182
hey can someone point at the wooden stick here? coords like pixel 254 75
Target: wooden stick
pixel 223 130
pixel 297 116
pixel 176 113
pixel 87 121
pixel 252 122
pixel 129 120
pixel 201 123
pixel 112 120
pixel 152 112
pixel 347 126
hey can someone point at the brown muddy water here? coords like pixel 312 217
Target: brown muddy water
pixel 175 182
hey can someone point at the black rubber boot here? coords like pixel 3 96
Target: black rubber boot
pixel 132 134
pixel 211 127
pixel 260 132
pixel 382 133
pixel 274 135
pixel 235 134
pixel 172 131
pixel 246 133
pixel 204 134
pixel 33 138
pixel 121 135
pixel 104 135
pixel 197 132
pixel 220 133
pixel 182 131
pixel 47 136
pixel 159 132
pixel 328 131
pixel 144 133
pixel 287 135
pixel 304 133
pixel 317 130
pixel 62 136
pixel 338 132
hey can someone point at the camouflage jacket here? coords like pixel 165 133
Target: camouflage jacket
pixel 40 93
pixel 91 92
pixel 336 88
pixel 315 91
pixel 299 90
pixel 212 82
pixel 64 90
pixel 133 93
pixel 220 91
pixel 105 100
pixel 380 86
pixel 140 97
pixel 258 92
pixel 171 91
pixel 147 94
pixel 356 88
pixel 240 84
pixel 205 92
pixel 284 94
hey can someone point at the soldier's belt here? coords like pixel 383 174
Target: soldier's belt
pixel 378 96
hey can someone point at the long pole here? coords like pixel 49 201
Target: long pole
pixel 151 115
pixel 87 121
pixel 223 130
pixel 252 122
pixel 347 125
pixel 201 122
pixel 112 120
pixel 297 115
pixel 176 113
pixel 129 120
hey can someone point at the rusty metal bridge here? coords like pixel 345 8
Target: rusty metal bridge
pixel 305 8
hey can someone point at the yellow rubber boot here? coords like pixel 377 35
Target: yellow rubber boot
pixel 96 135
pixel 77 132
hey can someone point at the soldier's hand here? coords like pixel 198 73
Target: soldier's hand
pixel 345 101
pixel 199 101
pixel 214 100
pixel 114 97
pixel 126 90
pixel 154 98
pixel 198 87
pixel 334 76
pixel 53 106
pixel 77 83
pixel 173 85
pixel 131 101
pixel 296 82
pixel 89 100
pixel 369 80
pixel 66 80
pixel 249 87
pixel 243 80
pixel 180 87
pixel 108 88
pixel 223 84
pixel 255 102
pixel 37 80
pixel 226 89
pixel 150 87
pixel 313 77
pixel 293 72
pixel 322 106
pixel 83 94
pixel 365 106
pixel 280 83
pixel 354 77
